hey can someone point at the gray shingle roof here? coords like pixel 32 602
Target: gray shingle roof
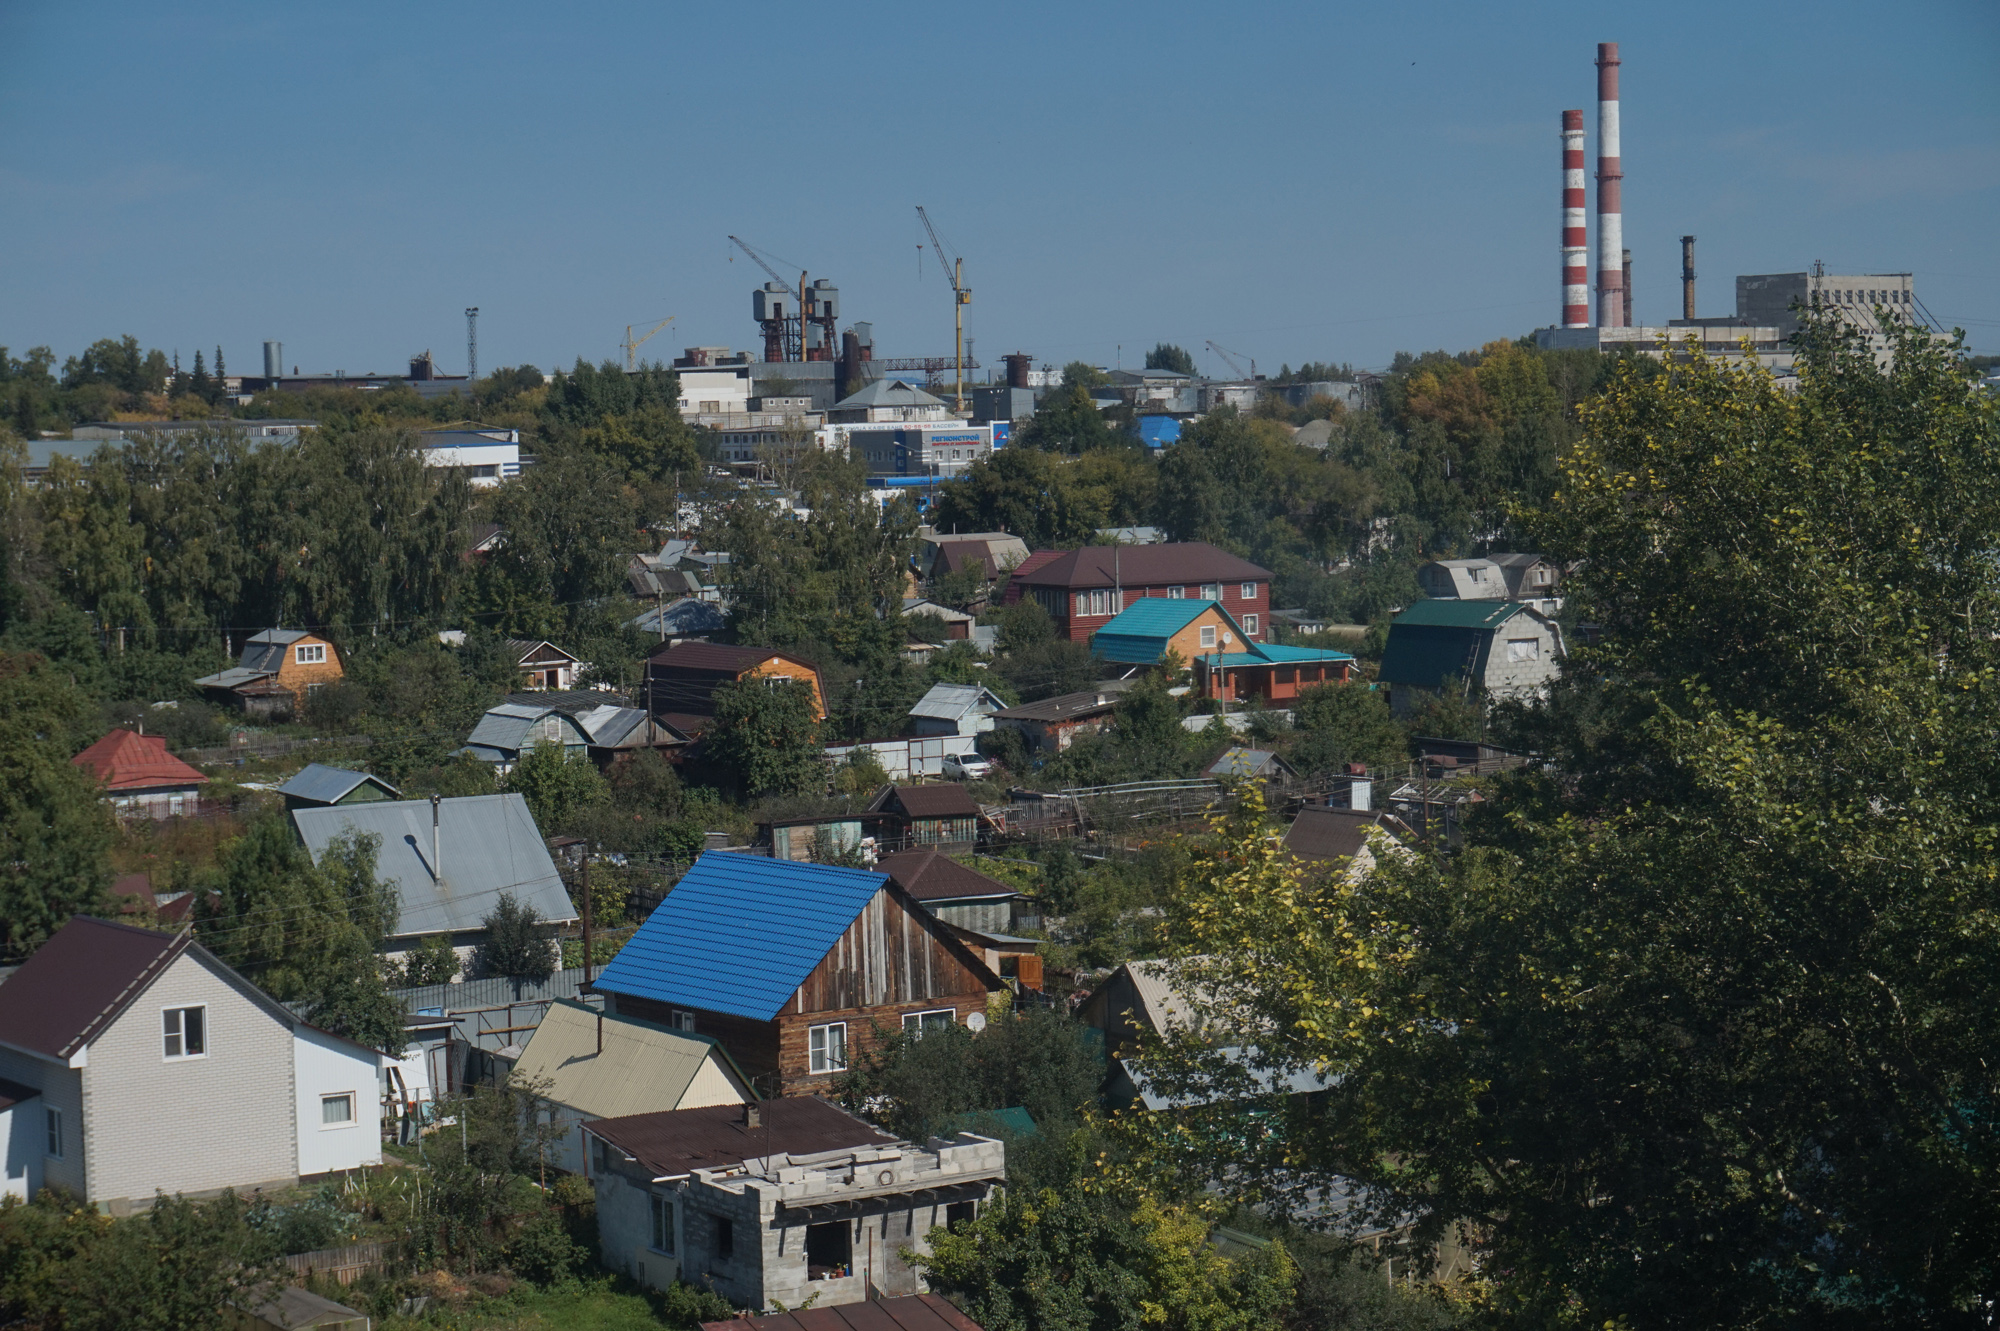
pixel 488 844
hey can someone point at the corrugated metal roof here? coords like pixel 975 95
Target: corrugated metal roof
pixel 1275 652
pixel 643 1068
pixel 125 760
pixel 1141 566
pixel 320 784
pixel 489 845
pixel 1067 706
pixel 943 799
pixel 508 726
pixel 1139 634
pixel 739 934
pixel 950 702
pixel 1460 614
pixel 1239 761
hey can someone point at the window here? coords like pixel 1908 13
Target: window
pixel 1478 574
pixel 960 1213
pixel 1208 635
pixel 1211 591
pixel 827 1047
pixel 663 1224
pixel 310 653
pixel 1176 593
pixel 916 1023
pixel 684 1021
pixel 55 1134
pixel 1249 591
pixel 1541 577
pixel 1097 603
pixel 1250 625
pixel 1083 603
pixel 725 1238
pixel 1524 649
pixel 829 1250
pixel 185 1031
pixel 337 1111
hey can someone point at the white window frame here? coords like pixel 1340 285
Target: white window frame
pixel 820 1059
pixel 914 1023
pixel 1083 603
pixel 1249 626
pixel 1208 635
pixel 353 1118
pixel 309 653
pixel 54 1122
pixel 1524 649
pixel 1176 593
pixel 1249 591
pixel 1211 591
pixel 662 1209
pixel 177 1034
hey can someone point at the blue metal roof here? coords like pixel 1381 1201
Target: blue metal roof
pixel 1159 431
pixel 739 934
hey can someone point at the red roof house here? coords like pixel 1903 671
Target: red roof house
pixel 140 776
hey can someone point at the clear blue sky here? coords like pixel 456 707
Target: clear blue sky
pixel 1296 181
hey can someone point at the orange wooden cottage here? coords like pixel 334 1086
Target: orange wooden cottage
pixel 278 671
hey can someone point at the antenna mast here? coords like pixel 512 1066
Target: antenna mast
pixel 471 348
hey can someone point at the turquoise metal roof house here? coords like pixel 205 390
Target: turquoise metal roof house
pixel 1143 632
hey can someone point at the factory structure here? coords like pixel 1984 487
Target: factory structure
pixel 1768 305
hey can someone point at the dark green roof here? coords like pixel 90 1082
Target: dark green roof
pixel 1460 614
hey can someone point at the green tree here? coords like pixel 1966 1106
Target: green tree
pixel 1167 356
pixel 55 829
pixel 432 961
pixel 518 942
pixel 571 523
pixel 1344 723
pixel 766 737
pixel 1694 1030
pixel 558 785
pixel 1068 420
pixel 1025 491
pixel 1077 1259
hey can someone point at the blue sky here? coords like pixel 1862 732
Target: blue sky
pixel 1309 181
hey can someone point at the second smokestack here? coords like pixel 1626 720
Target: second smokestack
pixel 1687 278
pixel 1610 209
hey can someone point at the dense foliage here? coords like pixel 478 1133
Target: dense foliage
pixel 1694 1032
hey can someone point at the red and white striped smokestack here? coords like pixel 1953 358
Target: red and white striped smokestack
pixel 1575 242
pixel 1611 311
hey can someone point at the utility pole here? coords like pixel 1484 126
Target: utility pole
pixel 584 874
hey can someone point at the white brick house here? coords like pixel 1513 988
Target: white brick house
pixel 136 1062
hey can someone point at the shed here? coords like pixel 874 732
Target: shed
pixel 956 709
pixel 317 786
pixel 507 732
pixel 1248 764
pixel 939 814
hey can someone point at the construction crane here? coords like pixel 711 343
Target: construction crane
pixel 632 344
pixel 786 334
pixel 1230 361
pixel 961 296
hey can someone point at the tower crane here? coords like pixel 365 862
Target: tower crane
pixel 1230 361
pixel 777 333
pixel 961 294
pixel 632 344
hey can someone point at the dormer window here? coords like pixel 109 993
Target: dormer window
pixel 309 653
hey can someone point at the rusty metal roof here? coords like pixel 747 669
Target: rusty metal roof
pixel 673 1142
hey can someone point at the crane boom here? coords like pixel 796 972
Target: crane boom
pixel 632 344
pixel 961 296
pixel 1230 361
pixel 758 259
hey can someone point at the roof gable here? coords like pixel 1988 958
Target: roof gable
pixel 949 702
pixel 1139 635
pixel 318 783
pixel 943 799
pixel 79 982
pixel 488 843
pixel 928 874
pixel 739 934
pixel 889 393
pixel 512 726
pixel 127 760
pixel 1182 562
pixel 642 1066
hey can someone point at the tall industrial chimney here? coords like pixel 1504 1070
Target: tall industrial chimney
pixel 1575 240
pixel 1610 212
pixel 1626 272
pixel 274 360
pixel 1687 278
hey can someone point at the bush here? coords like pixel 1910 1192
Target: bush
pixel 518 942
pixel 543 1251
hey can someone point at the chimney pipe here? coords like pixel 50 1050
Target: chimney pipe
pixel 1575 238
pixel 1610 211
pixel 437 865
pixel 1628 288
pixel 1687 277
pixel 753 1115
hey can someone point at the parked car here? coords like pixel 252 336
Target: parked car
pixel 968 767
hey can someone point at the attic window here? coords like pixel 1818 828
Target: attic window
pixel 1524 649
pixel 309 653
pixel 184 1032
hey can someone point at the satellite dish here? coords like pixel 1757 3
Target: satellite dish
pixel 976 1022
pixel 1228 638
